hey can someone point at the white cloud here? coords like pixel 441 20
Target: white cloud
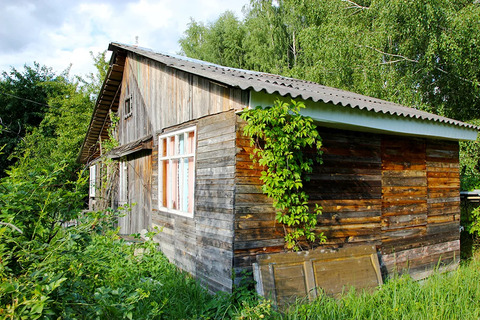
pixel 58 33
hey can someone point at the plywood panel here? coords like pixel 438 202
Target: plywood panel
pixel 285 277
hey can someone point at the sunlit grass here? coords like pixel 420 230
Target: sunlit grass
pixel 453 295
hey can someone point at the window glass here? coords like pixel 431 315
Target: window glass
pixel 128 106
pixel 123 182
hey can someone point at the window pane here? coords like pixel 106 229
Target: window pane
pixel 174 185
pixel 92 180
pixel 185 188
pixel 191 142
pixel 164 182
pixel 123 183
pixel 181 144
pixel 163 148
pixel 171 146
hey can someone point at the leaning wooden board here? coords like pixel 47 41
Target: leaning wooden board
pixel 284 277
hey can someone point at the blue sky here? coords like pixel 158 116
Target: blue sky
pixel 57 33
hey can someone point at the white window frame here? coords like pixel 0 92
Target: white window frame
pixel 93 181
pixel 169 207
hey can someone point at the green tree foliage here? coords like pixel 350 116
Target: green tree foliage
pixel 280 136
pixel 23 103
pixel 418 53
pixel 220 41
pixel 44 187
pixel 46 116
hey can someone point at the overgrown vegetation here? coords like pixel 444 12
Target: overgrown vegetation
pixel 280 136
pixel 86 271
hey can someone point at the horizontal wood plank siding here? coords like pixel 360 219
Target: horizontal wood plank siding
pixel 421 205
pixel 404 190
pixel 347 185
pixel 399 193
pixel 256 230
pixel 203 245
pixel 443 181
pixel 214 200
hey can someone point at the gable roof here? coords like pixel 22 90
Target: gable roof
pixel 244 80
pixel 258 81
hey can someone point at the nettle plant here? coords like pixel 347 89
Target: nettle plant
pixel 287 145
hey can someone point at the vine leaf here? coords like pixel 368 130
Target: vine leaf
pixel 277 134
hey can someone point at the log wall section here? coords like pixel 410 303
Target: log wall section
pixel 348 187
pixel 421 208
pixel 398 193
pixel 256 231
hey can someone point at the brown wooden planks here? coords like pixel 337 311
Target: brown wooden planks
pixel 404 188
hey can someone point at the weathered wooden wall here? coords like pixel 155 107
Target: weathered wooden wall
pixel 256 230
pixel 202 245
pixel 139 189
pixel 348 186
pixel 163 97
pixel 214 203
pixel 421 206
pixel 399 193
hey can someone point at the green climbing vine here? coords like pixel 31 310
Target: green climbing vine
pixel 281 138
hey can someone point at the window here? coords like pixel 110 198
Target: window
pixel 177 171
pixel 128 106
pixel 122 183
pixel 91 190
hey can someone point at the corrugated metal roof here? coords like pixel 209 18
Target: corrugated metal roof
pixel 270 83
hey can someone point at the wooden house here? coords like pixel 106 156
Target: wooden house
pixel 389 178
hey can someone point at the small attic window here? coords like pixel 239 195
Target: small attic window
pixel 128 106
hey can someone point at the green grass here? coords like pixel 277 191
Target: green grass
pixel 96 275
